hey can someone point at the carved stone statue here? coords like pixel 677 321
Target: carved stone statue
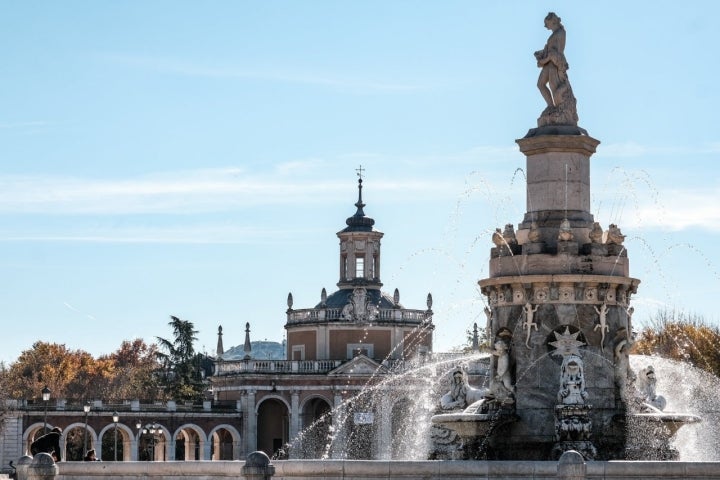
pixel 553 80
pixel 461 394
pixel 572 381
pixel 509 234
pixel 614 235
pixel 646 384
pixel 624 375
pixel 497 238
pixel 596 233
pixel 565 234
pixel 502 386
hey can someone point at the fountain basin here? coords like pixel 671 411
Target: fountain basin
pixel 671 421
pixel 467 425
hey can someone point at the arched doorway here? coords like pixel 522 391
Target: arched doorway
pixel 272 426
pixel 78 440
pixel 315 430
pixel 222 445
pixel 109 440
pixel 188 445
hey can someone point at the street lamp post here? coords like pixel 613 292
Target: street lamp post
pixel 152 429
pixel 86 409
pixel 116 419
pixel 45 397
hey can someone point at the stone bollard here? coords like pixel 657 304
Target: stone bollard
pixel 571 466
pixel 21 467
pixel 257 467
pixel 40 467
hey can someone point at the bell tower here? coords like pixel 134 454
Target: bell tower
pixel 359 249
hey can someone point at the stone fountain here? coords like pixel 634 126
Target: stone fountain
pixel 559 315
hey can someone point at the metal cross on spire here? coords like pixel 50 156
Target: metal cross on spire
pixel 360 171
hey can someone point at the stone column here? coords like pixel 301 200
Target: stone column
pixel 207 449
pixel 251 424
pixel 294 413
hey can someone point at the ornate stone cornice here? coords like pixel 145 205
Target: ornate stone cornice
pixel 558 289
pixel 582 144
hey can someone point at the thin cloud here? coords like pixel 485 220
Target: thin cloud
pixel 185 68
pixel 632 149
pixel 184 192
pixel 184 234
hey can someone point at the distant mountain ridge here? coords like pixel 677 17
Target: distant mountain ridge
pixel 261 350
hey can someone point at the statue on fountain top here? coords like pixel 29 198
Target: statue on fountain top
pixel 553 80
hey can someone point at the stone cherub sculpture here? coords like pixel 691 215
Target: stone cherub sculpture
pixel 501 387
pixel 553 80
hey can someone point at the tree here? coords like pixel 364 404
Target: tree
pixel 684 337
pixel 76 376
pixel 135 364
pixel 182 371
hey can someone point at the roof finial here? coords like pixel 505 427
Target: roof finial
pixel 359 222
pixel 219 350
pixel 247 348
pixel 360 203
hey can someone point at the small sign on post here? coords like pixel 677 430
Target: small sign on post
pixel 364 418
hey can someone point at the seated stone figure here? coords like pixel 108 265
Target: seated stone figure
pixel 646 383
pixel 461 394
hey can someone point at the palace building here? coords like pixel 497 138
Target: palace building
pixel 352 338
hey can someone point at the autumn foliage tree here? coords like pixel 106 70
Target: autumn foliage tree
pixel 684 337
pixel 76 375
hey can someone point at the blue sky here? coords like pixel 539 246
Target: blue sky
pixel 197 158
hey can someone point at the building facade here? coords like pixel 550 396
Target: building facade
pixel 352 339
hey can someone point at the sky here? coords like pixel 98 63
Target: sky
pixel 197 159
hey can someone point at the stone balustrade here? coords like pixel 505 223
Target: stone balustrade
pixel 312 315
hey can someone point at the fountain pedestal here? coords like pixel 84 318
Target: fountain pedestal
pixel 475 429
pixel 573 427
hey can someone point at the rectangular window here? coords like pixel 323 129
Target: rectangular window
pixel 355 349
pixel 298 352
pixel 359 267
